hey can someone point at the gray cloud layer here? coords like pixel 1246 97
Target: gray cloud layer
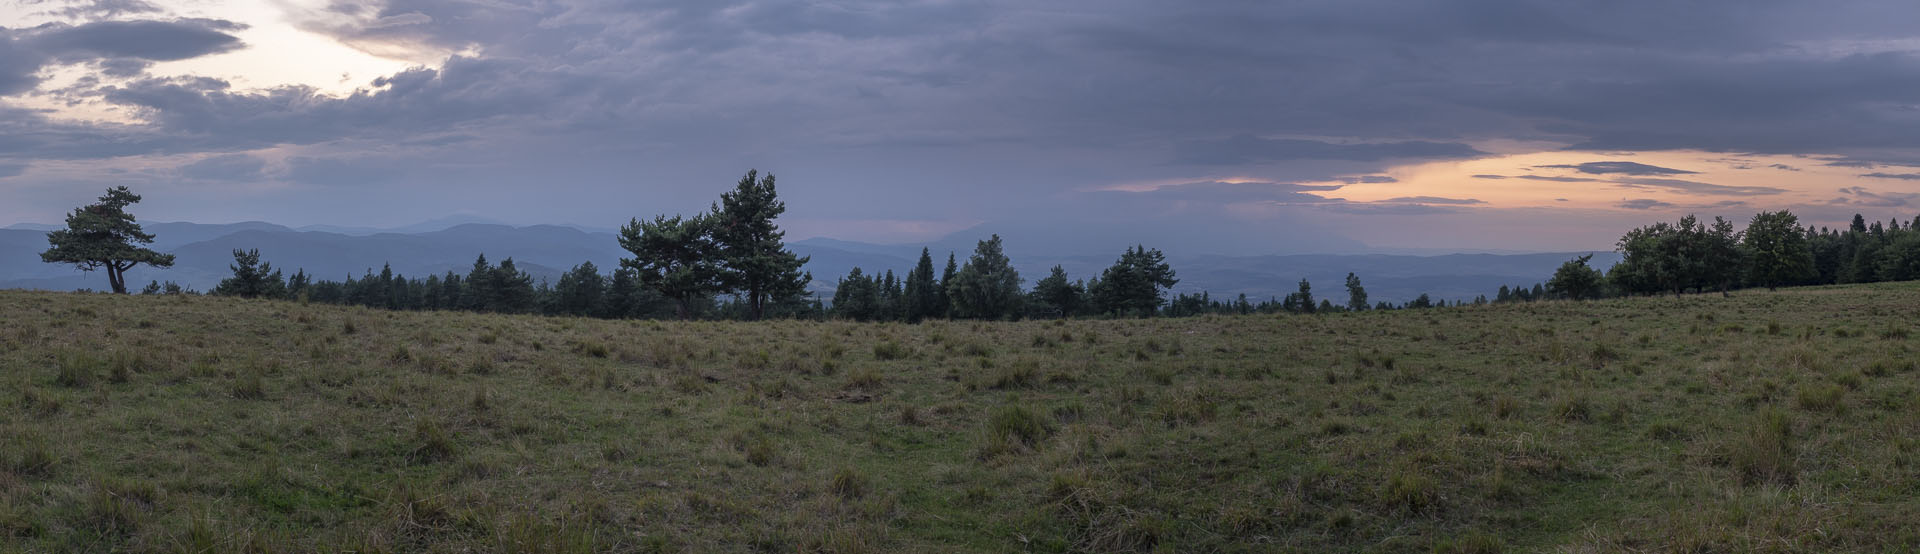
pixel 929 109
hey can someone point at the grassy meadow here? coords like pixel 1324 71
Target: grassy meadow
pixel 1768 421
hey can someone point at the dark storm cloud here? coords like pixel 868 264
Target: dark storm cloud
pixel 120 48
pixel 147 40
pixel 1619 168
pixel 1242 150
pixel 1696 187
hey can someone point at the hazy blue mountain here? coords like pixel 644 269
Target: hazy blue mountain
pixel 204 251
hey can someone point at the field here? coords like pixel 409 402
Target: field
pixel 1761 422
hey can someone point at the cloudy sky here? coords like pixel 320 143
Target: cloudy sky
pixel 1231 126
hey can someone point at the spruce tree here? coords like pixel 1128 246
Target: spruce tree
pixel 987 287
pixel 943 301
pixel 920 289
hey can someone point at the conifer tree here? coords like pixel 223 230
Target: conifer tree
pixel 756 259
pixel 1356 294
pixel 104 235
pixel 922 293
pixel 677 257
pixel 987 287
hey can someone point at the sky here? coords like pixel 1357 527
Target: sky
pixel 1219 127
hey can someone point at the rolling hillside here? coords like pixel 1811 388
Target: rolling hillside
pixel 1760 422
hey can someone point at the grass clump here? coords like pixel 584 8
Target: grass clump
pixel 77 370
pixel 1763 454
pixel 891 349
pixel 431 443
pixel 1013 428
pixel 1821 398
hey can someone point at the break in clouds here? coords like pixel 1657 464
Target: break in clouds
pixel 1127 117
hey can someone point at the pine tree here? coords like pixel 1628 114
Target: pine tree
pixel 1356 294
pixel 677 257
pixel 104 235
pixel 755 255
pixel 250 277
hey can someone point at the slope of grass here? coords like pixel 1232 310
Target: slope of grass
pixel 1762 422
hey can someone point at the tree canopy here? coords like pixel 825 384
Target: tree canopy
pixel 104 235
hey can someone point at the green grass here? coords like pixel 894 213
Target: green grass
pixel 1775 422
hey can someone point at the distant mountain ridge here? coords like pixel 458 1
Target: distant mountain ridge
pixel 203 252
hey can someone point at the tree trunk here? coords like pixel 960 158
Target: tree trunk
pixel 755 306
pixel 116 277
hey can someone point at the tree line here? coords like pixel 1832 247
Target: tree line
pixel 731 262
pixel 1774 250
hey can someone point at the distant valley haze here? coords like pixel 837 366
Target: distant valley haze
pixel 545 251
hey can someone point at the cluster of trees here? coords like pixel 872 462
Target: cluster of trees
pixel 988 287
pixel 503 288
pixel 1773 251
pixel 730 261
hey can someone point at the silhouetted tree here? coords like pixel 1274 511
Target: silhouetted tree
pixel 104 235
pixel 1057 295
pixel 1356 294
pixel 1575 280
pixel 987 287
pixel 1132 285
pixel 676 257
pixel 251 278
pixel 922 293
pixel 756 259
pixel 1778 250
